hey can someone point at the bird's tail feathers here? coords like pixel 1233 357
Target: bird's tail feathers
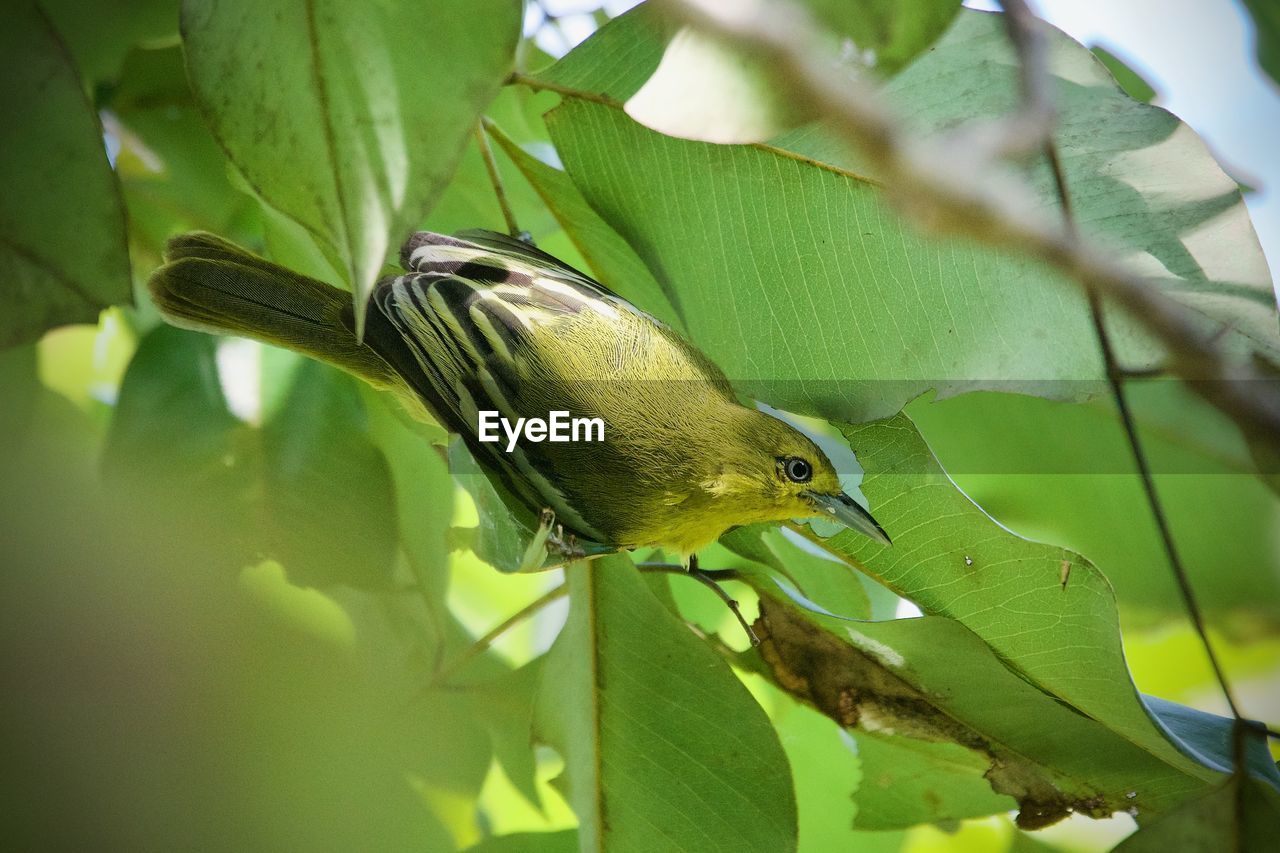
pixel 211 285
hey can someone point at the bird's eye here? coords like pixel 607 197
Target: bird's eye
pixel 797 469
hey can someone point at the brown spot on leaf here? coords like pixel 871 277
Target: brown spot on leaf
pixel 854 688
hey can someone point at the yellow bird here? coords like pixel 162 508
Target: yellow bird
pixel 482 322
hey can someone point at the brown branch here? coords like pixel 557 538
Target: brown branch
pixel 976 200
pixel 1030 128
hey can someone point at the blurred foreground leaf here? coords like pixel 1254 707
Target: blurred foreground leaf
pixel 62 232
pixel 330 506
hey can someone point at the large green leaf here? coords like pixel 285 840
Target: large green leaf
pixel 62 234
pixel 350 119
pixel 798 279
pixel 664 748
pixel 1046 612
pixel 805 288
pixel 1063 473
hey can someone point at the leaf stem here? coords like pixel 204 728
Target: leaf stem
pixel 482 645
pixel 708 578
pixel 495 178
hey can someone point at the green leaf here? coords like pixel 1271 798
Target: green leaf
pixel 1126 78
pixel 1240 814
pixel 894 32
pixel 1142 182
pixel 907 782
pixel 99 38
pixel 827 770
pixel 678 81
pixel 808 577
pixel 952 560
pixel 22 391
pixel 805 288
pixel 470 200
pixel 664 748
pixel 348 119
pixel 62 233
pixel 329 503
pixel 798 280
pixel 174 176
pixel 1266 22
pixel 423 489
pixel 505 707
pixel 706 89
pixel 506 527
pixel 1064 473
pixel 172 435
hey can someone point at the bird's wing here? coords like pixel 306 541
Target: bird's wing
pixel 484 255
pixel 470 322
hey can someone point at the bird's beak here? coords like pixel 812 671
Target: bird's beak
pixel 848 512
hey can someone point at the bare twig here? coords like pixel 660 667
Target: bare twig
pixel 499 189
pixel 708 578
pixel 1030 128
pixel 978 201
pixel 482 645
pixel 1023 30
pixel 1019 31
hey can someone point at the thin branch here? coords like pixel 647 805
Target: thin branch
pixel 708 578
pixel 1030 128
pixel 1116 377
pixel 499 189
pixel 482 645
pixel 974 199
pixel 1024 32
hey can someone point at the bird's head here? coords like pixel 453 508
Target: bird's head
pixel 778 473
